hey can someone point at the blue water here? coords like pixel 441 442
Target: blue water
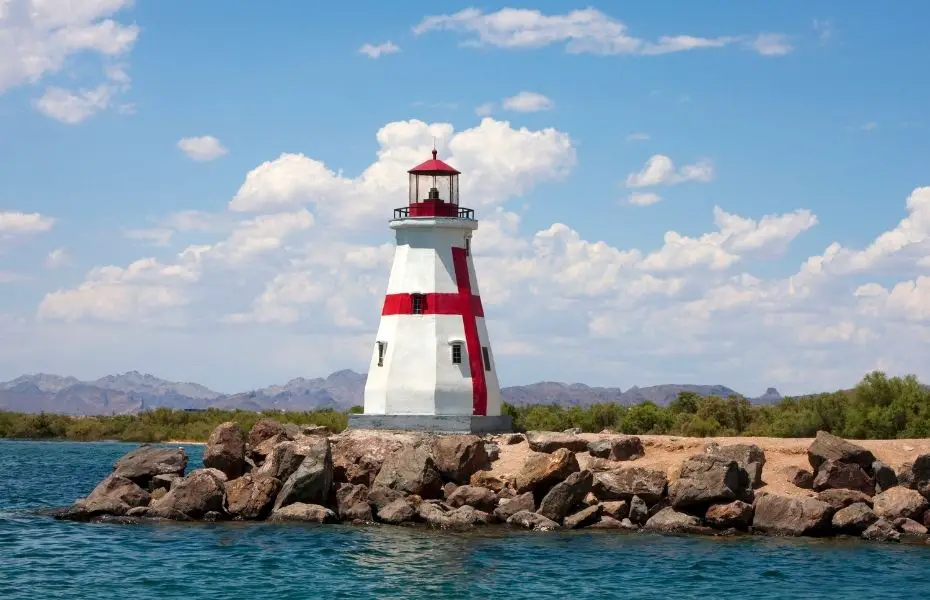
pixel 41 558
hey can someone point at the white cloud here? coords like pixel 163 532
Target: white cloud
pixel 772 44
pixel 202 148
pixel 643 198
pixel 73 107
pixel 484 110
pixel 15 222
pixel 57 258
pixel 660 170
pixel 582 31
pixel 824 29
pixel 379 50
pixel 637 137
pixel 528 102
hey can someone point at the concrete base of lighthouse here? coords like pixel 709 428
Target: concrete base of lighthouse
pixel 434 423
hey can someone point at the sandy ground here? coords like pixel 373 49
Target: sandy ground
pixel 668 452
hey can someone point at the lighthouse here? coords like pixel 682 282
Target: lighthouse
pixel 432 368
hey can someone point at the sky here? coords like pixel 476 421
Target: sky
pixel 668 192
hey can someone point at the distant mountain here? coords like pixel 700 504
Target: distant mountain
pixel 771 396
pixel 133 392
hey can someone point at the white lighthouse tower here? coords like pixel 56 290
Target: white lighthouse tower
pixel 432 368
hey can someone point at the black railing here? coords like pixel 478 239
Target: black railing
pixel 404 213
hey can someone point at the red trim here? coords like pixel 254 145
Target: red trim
pixel 461 303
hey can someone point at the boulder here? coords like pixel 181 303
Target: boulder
pixel 881 531
pixel 607 522
pixel 145 462
pixel 616 509
pixel 787 515
pixel 548 441
pixel 566 496
pixel 827 446
pixel 749 457
pixel 906 476
pixel 847 476
pixel 163 481
pixel 854 519
pixel 225 450
pixel 288 455
pixel 899 502
pixel 313 479
pixel 799 477
pixel 379 497
pixel 623 484
pixel 920 470
pixel 348 495
pixel 358 456
pixel 706 479
pixel 639 511
pixel 573 431
pixel 115 495
pixel 194 496
pixel 531 520
pixel 458 457
pixel 885 477
pixel 583 518
pixel 617 448
pixel 542 471
pixel 153 511
pixel 398 511
pixel 360 511
pixel 265 429
pixel 433 514
pixel 487 479
pixel 668 520
pixel 910 527
pixel 251 496
pixel 301 511
pixel 411 470
pixel 319 430
pixel 736 514
pixel 842 498
pixel 510 507
pixel 493 451
pixel 477 497
pixel 509 439
pixel 447 489
pixel 259 453
pixel 467 516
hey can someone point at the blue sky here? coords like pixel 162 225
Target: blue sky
pixel 808 113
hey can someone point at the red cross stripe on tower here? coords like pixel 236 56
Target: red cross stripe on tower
pixel 462 303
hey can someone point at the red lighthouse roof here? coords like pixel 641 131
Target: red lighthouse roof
pixel 433 167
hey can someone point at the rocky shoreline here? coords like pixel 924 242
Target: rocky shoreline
pixel 287 473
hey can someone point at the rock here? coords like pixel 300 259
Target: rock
pixel 380 497
pixel 301 511
pixel 457 457
pixel 360 511
pixel 906 476
pixel 909 527
pixel 523 502
pixel 159 493
pixel 639 512
pixel 925 520
pixel 398 511
pixel 259 453
pixel 885 477
pixel 921 475
pixel 623 484
pixel 195 495
pixel 493 451
pixel 566 496
pixel 154 512
pixel 319 430
pixel 617 448
pixel 358 456
pixel 145 462
pixel 411 470
pixel 251 496
pixel 448 489
pixel 467 516
pixel 705 479
pixel 749 457
pixel 214 473
pixel 607 522
pixel 628 525
pixel 433 515
pixel 348 495
pixel 838 499
pixel 288 455
pixel 265 429
pixel 799 477
pixel 899 502
pixel 786 515
pixel 838 475
pixel 617 509
pixel 573 431
pixel 313 479
pixel 599 465
pixel 477 497
pixel 487 479
pixel 531 520
pixel 854 519
pixel 881 531
pixel 163 481
pixel 542 471
pixel 226 450
pixel 583 518
pixel 115 492
pixel 736 514
pixel 509 439
pixel 668 520
pixel 548 442
pixel 827 446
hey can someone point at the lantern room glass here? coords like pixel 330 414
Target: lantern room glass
pixel 434 186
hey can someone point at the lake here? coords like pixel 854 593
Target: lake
pixel 48 559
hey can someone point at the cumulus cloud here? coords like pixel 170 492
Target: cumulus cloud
pixel 202 148
pixel 379 50
pixel 18 223
pixel 660 170
pixel 643 198
pixel 57 258
pixel 528 102
pixel 772 44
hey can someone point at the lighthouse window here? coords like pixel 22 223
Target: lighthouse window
pixel 418 304
pixel 487 358
pixel 456 354
pixel 382 350
pixel 468 246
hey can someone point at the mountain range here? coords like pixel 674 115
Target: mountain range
pixel 133 392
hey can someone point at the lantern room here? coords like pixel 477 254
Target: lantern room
pixel 434 192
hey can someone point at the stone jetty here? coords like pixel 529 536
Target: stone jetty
pixel 562 480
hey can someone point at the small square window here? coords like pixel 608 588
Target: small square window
pixel 382 350
pixel 418 304
pixel 456 354
pixel 487 358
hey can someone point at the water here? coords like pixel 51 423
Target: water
pixel 48 559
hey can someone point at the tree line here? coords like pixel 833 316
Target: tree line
pixel 879 407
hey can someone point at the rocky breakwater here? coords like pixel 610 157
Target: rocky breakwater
pixel 565 481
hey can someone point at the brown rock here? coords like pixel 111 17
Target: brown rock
pixel 145 462
pixel 542 471
pixel 457 457
pixel 312 481
pixel 566 496
pixel 115 495
pixel 838 475
pixel 358 456
pixel 623 484
pixel 448 489
pixel 734 514
pixel 226 450
pixel 899 502
pixel 509 439
pixel 583 518
pixel 617 509
pixel 530 520
pixel 433 514
pixel 548 441
pixel 523 502
pixel 842 498
pixel 786 515
pixel 359 512
pixel 478 497
pixel 606 522
pixel 885 477
pixel 259 453
pixel 467 516
pixel 398 511
pixel 348 495
pixel 705 479
pixel 617 448
pixel 163 481
pixel 265 429
pixel 881 531
pixel 799 477
pixel 251 496
pixel 411 470
pixel 749 457
pixel 489 480
pixel 910 527
pixel 668 520
pixel 379 497
pixel 830 447
pixel 308 513
pixel 854 519
pixel 639 512
pixel 195 495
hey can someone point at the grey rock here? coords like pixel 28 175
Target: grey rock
pixel 412 470
pixel 899 502
pixel 195 495
pixel 534 521
pixel 623 484
pixel 398 511
pixel 668 520
pixel 566 496
pixel 493 451
pixel 833 474
pixel 854 519
pixel 705 479
pixel 619 448
pixel 478 497
pixel 749 457
pixel 827 446
pixel 307 513
pixel 548 442
pixel 313 479
pixel 348 495
pixel 885 477
pixel 639 512
pixel 467 516
pixel 881 531
pixel 799 477
pixel 379 497
pixel 583 518
pixel 361 511
pixel 787 515
pixel 145 462
pixel 523 502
